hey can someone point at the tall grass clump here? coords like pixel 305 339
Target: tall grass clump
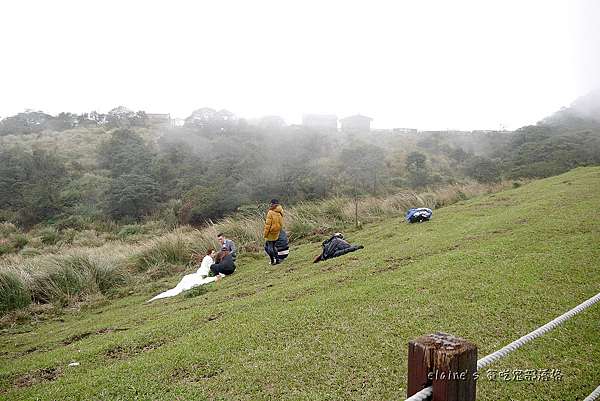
pixel 7 228
pixel 49 236
pixel 13 244
pixel 5 247
pixel 171 249
pixel 130 230
pixel 14 293
pixel 299 228
pixel 247 232
pixel 100 273
pixel 60 279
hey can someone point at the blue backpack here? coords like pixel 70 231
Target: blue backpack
pixel 418 215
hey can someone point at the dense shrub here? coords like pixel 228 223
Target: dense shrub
pixel 7 228
pixel 5 247
pixel 49 236
pixel 14 243
pixel 132 195
pixel 129 230
pixel 13 291
pixel 483 170
pixel 171 249
pixel 19 241
pixel 58 279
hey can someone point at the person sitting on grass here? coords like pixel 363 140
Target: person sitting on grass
pixel 227 244
pixel 334 247
pixel 224 265
pixel 206 263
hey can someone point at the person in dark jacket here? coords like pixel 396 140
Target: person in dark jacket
pixel 224 264
pixel 279 250
pixel 336 246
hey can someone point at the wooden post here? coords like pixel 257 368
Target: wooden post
pixel 443 361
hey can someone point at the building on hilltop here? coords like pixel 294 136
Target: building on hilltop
pixel 270 122
pixel 320 121
pixel 158 119
pixel 177 122
pixel 404 130
pixel 356 123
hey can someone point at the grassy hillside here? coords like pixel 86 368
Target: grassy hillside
pixel 489 269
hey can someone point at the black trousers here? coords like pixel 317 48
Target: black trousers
pixel 226 270
pixel 271 250
pixel 339 252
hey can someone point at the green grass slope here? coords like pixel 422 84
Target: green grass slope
pixel 489 269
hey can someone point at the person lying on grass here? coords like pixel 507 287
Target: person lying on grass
pixel 192 280
pixel 223 265
pixel 334 247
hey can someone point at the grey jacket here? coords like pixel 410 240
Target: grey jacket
pixel 230 246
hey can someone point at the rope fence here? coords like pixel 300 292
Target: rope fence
pixel 425 393
pixel 421 395
pixel 595 394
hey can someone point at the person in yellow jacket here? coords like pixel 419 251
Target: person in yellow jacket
pixel 273 226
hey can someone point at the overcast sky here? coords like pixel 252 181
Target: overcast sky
pixel 422 64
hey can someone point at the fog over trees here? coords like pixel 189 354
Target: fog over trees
pixel 125 165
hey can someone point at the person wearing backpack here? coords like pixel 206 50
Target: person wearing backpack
pixel 272 229
pixel 282 249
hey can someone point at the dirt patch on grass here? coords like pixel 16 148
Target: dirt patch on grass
pixel 37 376
pixel 244 294
pixel 124 352
pixel 293 296
pixel 81 336
pixel 213 317
pixel 500 231
pixel 196 373
pixel 209 318
pixel 18 354
pixel 249 292
pixel 393 264
pixel 109 330
pixel 77 337
pixel 343 279
pixel 291 268
pixel 33 349
pixel 332 267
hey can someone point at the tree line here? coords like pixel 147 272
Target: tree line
pixel 216 164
